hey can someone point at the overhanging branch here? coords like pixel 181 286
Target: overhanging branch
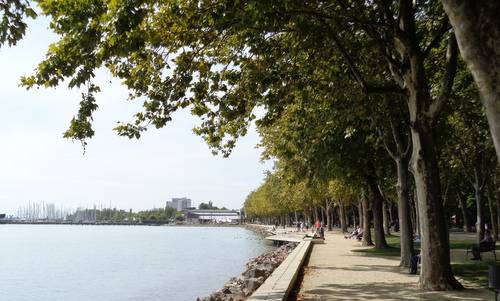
pixel 365 87
pixel 448 79
pixel 445 27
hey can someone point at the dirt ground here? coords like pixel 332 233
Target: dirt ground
pixel 334 272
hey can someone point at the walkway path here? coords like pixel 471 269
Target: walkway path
pixel 336 273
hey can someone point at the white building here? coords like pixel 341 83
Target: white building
pixel 213 216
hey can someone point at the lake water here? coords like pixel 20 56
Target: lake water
pixel 122 263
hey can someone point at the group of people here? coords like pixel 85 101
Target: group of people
pixel 318 229
pixel 302 226
pixel 356 233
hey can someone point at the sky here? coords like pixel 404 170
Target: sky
pixel 37 164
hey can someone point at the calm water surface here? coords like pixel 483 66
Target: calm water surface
pixel 122 263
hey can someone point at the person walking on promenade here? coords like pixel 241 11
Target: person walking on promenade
pixel 317 226
pixel 322 231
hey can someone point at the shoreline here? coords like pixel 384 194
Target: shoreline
pixel 120 224
pixel 264 230
pixel 258 269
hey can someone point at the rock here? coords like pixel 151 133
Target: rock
pixel 253 283
pixel 255 273
pixel 258 269
pixel 239 296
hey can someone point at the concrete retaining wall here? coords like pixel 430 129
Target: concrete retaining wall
pixel 278 285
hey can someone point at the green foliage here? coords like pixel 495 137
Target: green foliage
pixel 208 205
pixel 12 23
pixel 221 59
pixel 473 271
pixel 158 215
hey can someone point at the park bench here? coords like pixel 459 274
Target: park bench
pixel 483 247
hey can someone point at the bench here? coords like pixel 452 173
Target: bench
pixel 482 247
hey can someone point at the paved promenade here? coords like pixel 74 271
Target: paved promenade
pixel 336 273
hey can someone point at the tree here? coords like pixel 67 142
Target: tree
pixel 207 206
pixel 12 24
pixel 470 146
pixel 334 144
pixel 396 139
pixel 231 57
pixel 477 27
pixel 413 39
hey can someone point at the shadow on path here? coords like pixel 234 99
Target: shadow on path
pixel 386 291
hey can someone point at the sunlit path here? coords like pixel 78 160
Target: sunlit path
pixel 335 273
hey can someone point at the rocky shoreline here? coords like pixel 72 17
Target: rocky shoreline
pixel 257 270
pixel 264 230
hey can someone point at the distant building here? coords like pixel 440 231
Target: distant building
pixel 203 216
pixel 179 204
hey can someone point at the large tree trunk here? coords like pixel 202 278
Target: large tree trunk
pixel 477 28
pixel 377 209
pixel 405 225
pixel 496 192
pixel 463 208
pixel 436 271
pixel 479 213
pixel 387 223
pixel 354 216
pixel 343 224
pixel 494 225
pixel 367 236
pixel 413 215
pixel 478 191
pixel 328 215
pixel 391 213
pixel 334 215
pixel 360 213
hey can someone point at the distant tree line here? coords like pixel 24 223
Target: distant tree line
pixel 209 205
pixel 114 215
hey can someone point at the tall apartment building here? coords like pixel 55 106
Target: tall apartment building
pixel 179 203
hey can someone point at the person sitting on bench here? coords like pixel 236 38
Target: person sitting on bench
pixel 476 249
pixel 359 236
pixel 353 233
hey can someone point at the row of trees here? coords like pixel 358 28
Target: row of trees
pixel 164 215
pixel 359 92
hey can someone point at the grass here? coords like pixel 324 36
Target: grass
pixel 471 271
pixel 461 244
pixel 394 248
pixel 394 245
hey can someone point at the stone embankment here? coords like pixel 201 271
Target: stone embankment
pixel 260 229
pixel 258 269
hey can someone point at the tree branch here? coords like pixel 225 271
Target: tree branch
pixel 464 169
pixel 386 6
pixel 365 87
pixel 445 27
pixel 387 148
pixel 408 146
pixel 448 79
